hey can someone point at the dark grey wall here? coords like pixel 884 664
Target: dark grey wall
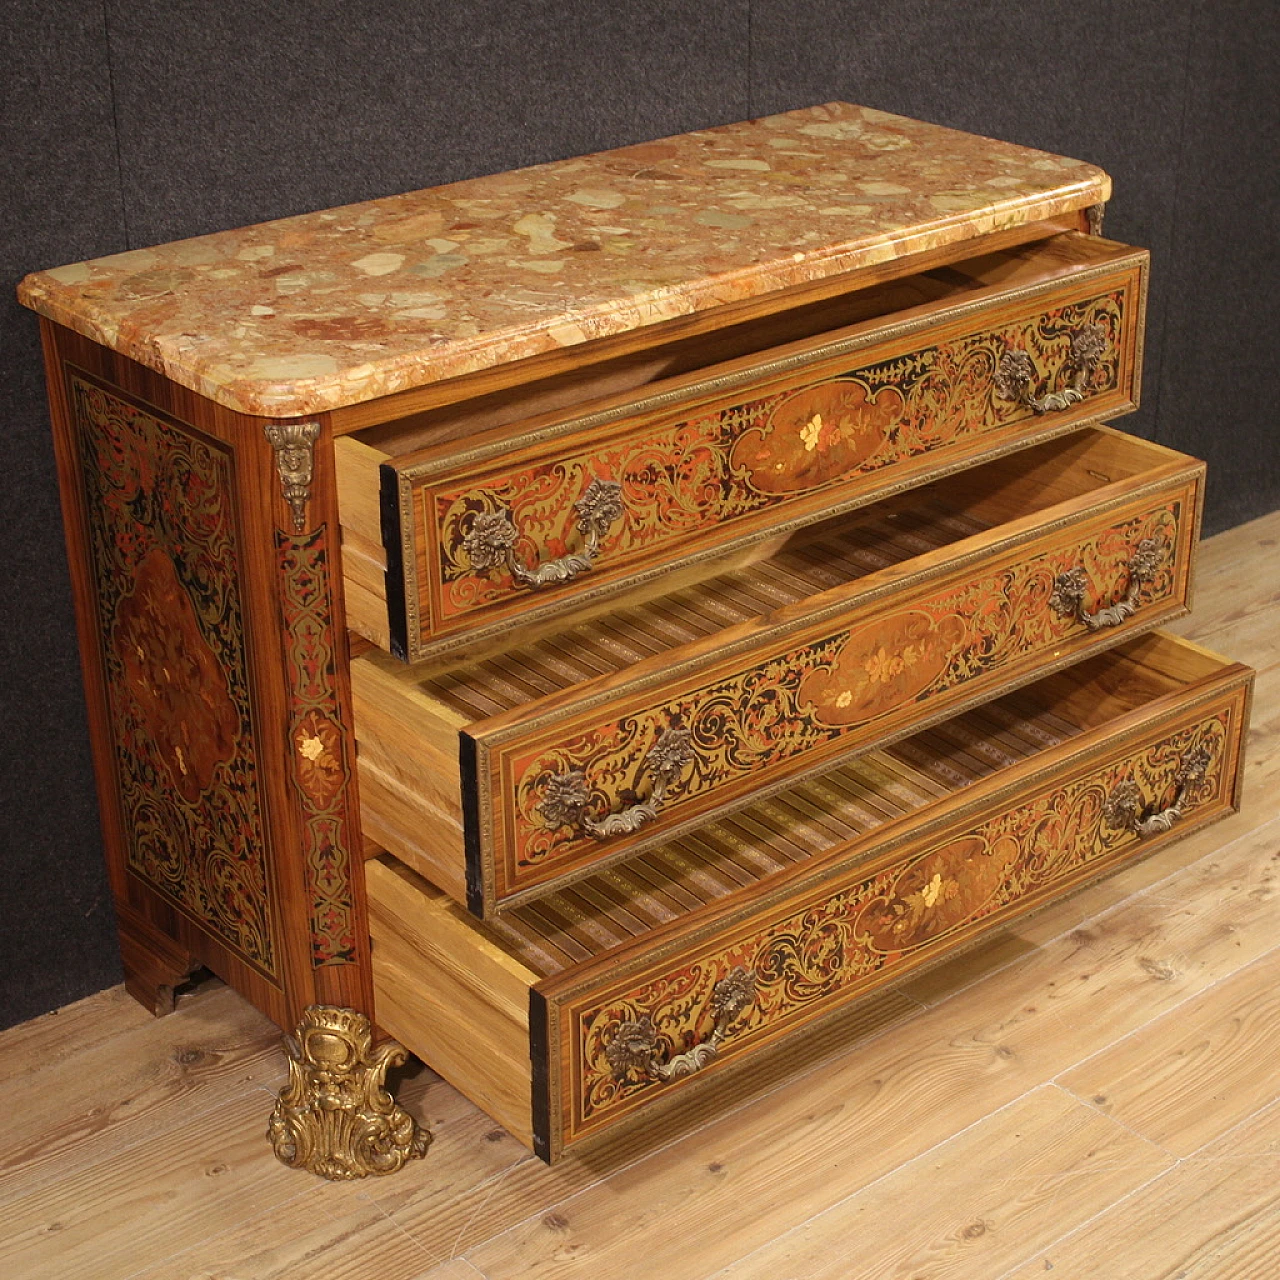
pixel 126 124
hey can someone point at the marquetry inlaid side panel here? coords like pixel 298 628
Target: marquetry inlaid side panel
pixel 814 949
pixel 165 560
pixel 791 701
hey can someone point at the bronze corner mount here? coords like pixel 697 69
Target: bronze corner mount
pixel 294 445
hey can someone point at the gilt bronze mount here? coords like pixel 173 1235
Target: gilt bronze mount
pixel 334 1117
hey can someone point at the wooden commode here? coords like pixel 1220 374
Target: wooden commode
pixel 593 623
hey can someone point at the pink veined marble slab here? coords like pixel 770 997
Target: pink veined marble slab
pixel 329 309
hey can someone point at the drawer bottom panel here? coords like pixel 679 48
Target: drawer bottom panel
pixel 1151 751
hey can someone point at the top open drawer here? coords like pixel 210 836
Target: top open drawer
pixel 454 523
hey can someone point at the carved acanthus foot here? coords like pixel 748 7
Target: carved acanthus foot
pixel 335 1117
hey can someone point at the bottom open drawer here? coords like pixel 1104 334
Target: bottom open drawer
pixel 576 1013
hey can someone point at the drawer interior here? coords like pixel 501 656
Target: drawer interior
pixel 844 804
pixel 428 796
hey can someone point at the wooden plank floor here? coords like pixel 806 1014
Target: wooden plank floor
pixel 1093 1094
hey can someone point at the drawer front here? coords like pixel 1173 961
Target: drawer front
pixel 477 539
pixel 876 661
pixel 758 973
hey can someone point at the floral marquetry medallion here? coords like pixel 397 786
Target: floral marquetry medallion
pixel 882 666
pixel 817 435
pixel 163 541
pixel 805 959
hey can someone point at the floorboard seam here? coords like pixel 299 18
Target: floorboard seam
pixel 1266 956
pixel 1179 1161
pixel 1226 1133
pixel 1128 1128
pixel 389 1218
pixel 483 1275
pixel 1081 1226
pixel 495 1183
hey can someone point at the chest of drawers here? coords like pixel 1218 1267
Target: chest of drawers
pixel 594 623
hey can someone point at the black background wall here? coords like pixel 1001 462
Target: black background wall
pixel 130 122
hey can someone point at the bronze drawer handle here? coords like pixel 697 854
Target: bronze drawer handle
pixel 1016 375
pixel 491 540
pixel 565 804
pixel 635 1047
pixel 1069 588
pixel 1126 808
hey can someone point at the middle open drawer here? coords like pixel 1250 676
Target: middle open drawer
pixel 502 778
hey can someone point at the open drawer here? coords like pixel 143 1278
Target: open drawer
pixel 502 778
pixel 597 1005
pixel 458 521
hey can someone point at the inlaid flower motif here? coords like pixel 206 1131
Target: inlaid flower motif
pixel 938 892
pixel 173 678
pixel 915 911
pixel 811 433
pixel 935 891
pixel 817 435
pixel 318 742
pixel 882 666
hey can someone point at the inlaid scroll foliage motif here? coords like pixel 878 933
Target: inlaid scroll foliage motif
pixel 164 554
pixel 687 476
pixel 809 959
pixel 322 766
pixel 808 698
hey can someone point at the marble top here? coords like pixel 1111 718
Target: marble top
pixel 329 309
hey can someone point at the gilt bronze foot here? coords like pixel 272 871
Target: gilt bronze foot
pixel 335 1116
